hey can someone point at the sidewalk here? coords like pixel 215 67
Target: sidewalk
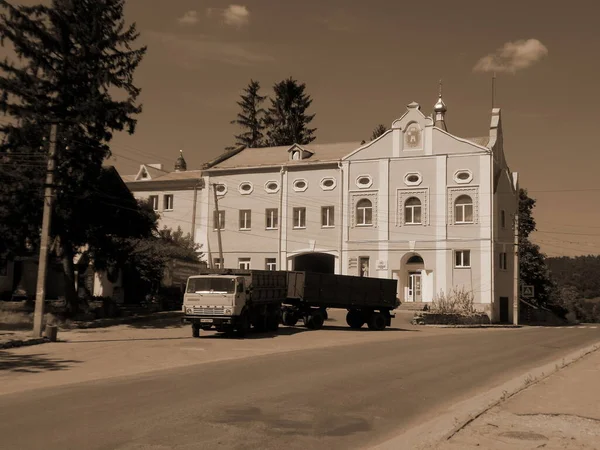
pixel 20 338
pixel 560 412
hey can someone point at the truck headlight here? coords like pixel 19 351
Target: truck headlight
pixel 189 310
pixel 227 311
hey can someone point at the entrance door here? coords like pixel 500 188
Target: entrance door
pixel 414 287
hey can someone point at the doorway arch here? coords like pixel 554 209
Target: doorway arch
pixel 314 262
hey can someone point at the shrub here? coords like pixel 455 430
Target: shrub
pixel 457 301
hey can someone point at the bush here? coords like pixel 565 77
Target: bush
pixel 457 301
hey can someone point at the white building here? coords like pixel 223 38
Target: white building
pixel 418 204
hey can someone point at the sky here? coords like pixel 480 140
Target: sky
pixel 363 62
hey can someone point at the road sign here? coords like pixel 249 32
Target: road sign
pixel 527 291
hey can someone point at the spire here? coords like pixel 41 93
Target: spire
pixel 180 164
pixel 440 111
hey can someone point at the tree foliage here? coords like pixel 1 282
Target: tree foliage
pixel 378 131
pixel 533 268
pixel 74 58
pixel 287 121
pixel 250 118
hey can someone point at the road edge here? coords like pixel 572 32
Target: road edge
pixel 450 422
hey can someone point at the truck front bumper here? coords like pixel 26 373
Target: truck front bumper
pixel 206 320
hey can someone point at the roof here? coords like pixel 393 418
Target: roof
pixel 162 175
pixel 482 140
pixel 277 156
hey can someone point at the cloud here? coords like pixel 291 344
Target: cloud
pixel 513 56
pixel 189 18
pixel 236 15
pixel 189 52
pixel 233 15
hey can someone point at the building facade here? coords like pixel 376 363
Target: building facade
pixel 173 194
pixel 418 204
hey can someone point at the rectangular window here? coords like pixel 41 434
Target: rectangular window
pixel 219 221
pixel 462 258
pixel 168 202
pixel 502 219
pixel 271 218
pixel 503 261
pixel 154 202
pixel 217 263
pixel 271 264
pixel 327 220
pixel 245 219
pixel 244 263
pixel 299 217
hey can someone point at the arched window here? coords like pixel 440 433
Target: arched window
pixel 412 211
pixel 463 209
pixel 364 212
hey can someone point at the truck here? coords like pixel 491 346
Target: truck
pixel 234 300
pixel 368 300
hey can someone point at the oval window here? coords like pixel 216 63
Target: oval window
pixel 221 188
pixel 272 186
pixel 363 180
pixel 412 178
pixel 328 183
pixel 300 184
pixel 463 176
pixel 246 187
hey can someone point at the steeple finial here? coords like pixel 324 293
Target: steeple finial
pixel 440 109
pixel 180 164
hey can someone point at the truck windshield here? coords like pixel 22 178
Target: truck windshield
pixel 211 286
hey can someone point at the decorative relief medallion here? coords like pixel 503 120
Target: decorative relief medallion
pixel 413 136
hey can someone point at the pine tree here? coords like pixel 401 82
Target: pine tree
pixel 533 268
pixel 287 120
pixel 74 55
pixel 251 118
pixel 378 131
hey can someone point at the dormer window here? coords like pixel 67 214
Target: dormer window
pixel 296 155
pixel 144 174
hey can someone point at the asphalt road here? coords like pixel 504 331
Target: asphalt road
pixel 334 398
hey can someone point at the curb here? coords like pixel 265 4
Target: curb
pixel 447 424
pixel 23 342
pixel 473 326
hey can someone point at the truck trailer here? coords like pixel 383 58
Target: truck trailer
pixel 368 300
pixel 235 300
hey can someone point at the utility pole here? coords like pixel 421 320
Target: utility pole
pixel 218 220
pixel 40 295
pixel 517 268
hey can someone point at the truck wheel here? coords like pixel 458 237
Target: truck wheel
pixel 243 326
pixel 324 312
pixel 289 318
pixel 315 320
pixel 377 321
pixel 355 319
pixel 196 331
